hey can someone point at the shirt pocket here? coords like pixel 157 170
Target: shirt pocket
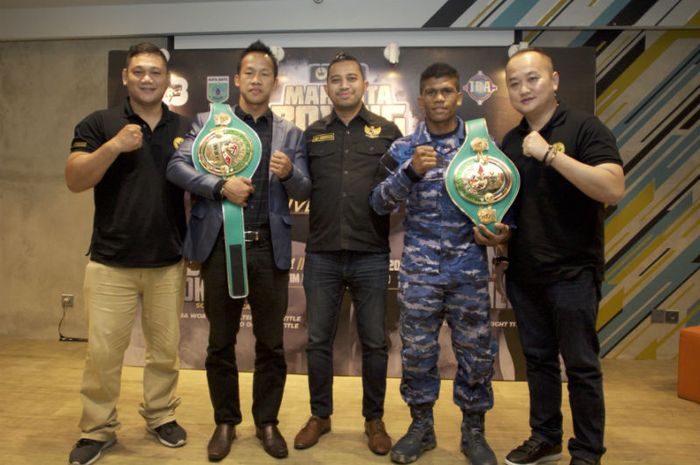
pixel 321 149
pixel 370 148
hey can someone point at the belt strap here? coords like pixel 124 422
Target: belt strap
pixel 226 146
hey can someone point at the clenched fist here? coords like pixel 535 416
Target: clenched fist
pixel 535 146
pixel 128 139
pixel 280 164
pixel 424 158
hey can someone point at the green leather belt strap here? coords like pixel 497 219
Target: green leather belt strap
pixel 481 180
pixel 226 146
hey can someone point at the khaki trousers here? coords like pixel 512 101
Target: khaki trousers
pixel 111 298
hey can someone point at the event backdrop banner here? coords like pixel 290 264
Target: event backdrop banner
pixel 392 92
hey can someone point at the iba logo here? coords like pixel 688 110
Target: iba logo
pixel 480 87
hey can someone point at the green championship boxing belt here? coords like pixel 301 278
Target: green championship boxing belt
pixel 226 146
pixel 481 180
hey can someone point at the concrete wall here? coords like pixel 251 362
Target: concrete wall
pixel 45 89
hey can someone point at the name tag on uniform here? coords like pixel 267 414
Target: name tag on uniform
pixel 323 137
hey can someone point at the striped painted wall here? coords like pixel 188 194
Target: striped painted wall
pixel 648 93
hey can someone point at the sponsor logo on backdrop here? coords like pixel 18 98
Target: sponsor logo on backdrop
pixel 177 94
pixel 217 88
pixel 480 87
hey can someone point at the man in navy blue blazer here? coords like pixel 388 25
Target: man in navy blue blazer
pixel 282 173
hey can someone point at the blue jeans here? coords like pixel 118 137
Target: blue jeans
pixel 366 276
pixel 554 318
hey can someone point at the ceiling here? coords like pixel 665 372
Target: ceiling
pixel 4 4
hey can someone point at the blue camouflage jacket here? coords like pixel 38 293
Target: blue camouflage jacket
pixel 438 236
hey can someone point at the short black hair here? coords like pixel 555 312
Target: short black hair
pixel 258 47
pixel 537 50
pixel 142 49
pixel 438 70
pixel 342 56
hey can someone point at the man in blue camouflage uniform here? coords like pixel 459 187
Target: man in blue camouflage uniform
pixel 444 274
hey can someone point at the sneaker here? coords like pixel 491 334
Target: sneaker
pixel 87 451
pixel 534 451
pixel 170 434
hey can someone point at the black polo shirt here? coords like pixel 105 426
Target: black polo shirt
pixel 257 214
pixel 343 162
pixel 139 216
pixel 560 229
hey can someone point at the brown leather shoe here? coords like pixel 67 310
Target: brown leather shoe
pixel 272 441
pixel 220 442
pixel 312 430
pixel 379 441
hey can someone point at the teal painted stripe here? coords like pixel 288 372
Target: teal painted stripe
pixel 513 13
pixel 650 235
pixel 684 75
pixel 695 319
pixel 659 175
pixel 679 150
pixel 691 149
pixel 646 174
pixel 640 306
pixel 623 261
pixel 581 38
pixel 650 169
pixel 605 18
pixel 624 131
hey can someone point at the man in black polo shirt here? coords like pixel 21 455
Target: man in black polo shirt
pixel 282 173
pixel 569 167
pixel 348 248
pixel 135 251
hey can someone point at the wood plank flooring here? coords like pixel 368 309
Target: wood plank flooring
pixel 39 381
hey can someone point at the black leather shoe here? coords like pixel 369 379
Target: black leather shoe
pixel 272 441
pixel 220 442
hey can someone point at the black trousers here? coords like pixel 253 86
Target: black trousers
pixel 560 318
pixel 267 297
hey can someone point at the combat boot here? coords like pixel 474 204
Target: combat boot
pixel 419 438
pixel 474 444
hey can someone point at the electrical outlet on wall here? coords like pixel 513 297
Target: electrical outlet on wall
pixel 671 316
pixel 67 300
pixel 658 316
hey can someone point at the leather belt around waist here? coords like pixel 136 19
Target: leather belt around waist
pixel 257 235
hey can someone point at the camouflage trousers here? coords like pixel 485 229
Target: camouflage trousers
pixel 462 300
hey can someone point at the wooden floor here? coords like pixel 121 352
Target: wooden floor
pixel 39 381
